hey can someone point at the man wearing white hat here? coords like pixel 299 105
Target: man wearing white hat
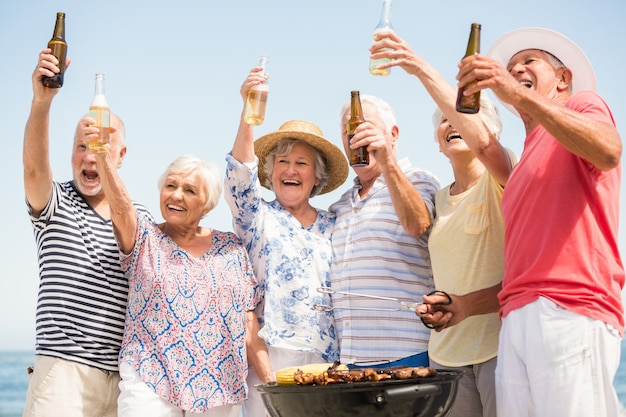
pixel 561 308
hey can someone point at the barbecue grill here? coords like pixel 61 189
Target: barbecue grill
pixel 416 397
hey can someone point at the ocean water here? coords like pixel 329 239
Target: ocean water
pixel 14 381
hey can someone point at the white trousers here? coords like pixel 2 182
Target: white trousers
pixel 279 359
pixel 138 400
pixel 552 363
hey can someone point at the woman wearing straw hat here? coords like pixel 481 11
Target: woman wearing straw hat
pixel 288 240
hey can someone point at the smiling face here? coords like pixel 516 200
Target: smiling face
pixel 293 176
pixel 450 141
pixel 538 70
pixel 183 199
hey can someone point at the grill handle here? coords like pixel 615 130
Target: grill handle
pixel 412 391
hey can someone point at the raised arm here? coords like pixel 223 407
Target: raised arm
pixel 408 203
pixel 36 156
pixel 595 141
pixel 123 212
pixel 411 209
pixel 243 148
pixel 473 130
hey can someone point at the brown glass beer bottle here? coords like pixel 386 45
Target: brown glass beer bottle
pixel 470 104
pixel 358 157
pixel 59 50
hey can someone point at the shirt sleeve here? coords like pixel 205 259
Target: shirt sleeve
pixel 242 192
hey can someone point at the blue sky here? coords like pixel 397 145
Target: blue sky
pixel 173 72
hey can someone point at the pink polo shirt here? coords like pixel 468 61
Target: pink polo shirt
pixel 561 219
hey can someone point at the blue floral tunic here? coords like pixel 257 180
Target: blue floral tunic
pixel 290 263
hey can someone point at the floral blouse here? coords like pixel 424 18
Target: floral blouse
pixel 186 318
pixel 290 263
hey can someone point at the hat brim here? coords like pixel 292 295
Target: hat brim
pixel 583 77
pixel 336 163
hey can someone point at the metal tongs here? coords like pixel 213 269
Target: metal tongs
pixel 403 305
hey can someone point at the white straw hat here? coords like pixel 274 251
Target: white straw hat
pixel 583 77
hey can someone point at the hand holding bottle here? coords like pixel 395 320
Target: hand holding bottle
pixel 87 130
pixel 470 104
pixel 384 25
pixel 47 66
pixel 358 157
pixel 58 48
pixel 256 98
pixel 398 53
pixel 100 112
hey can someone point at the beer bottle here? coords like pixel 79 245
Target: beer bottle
pixel 383 25
pixel 59 50
pixel 99 111
pixel 358 157
pixel 470 104
pixel 256 102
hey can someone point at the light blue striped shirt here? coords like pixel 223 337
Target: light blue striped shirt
pixel 373 254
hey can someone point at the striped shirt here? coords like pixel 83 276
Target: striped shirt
pixel 82 290
pixel 373 254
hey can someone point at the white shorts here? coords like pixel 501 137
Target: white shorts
pixel 138 400
pixel 552 362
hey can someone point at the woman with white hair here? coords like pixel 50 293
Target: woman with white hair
pixel 191 293
pixel 466 243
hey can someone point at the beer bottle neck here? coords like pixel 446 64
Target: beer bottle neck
pixel 99 90
pixel 355 107
pixel 473 44
pixel 59 27
pixel 263 64
pixel 385 17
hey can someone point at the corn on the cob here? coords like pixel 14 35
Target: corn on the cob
pixel 285 376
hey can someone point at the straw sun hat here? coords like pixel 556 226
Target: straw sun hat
pixel 563 48
pixel 336 163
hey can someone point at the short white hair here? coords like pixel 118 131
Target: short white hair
pixel 384 110
pixel 209 173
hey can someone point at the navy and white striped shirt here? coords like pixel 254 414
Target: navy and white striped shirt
pixel 82 290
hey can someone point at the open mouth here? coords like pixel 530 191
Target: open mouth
pixel 526 83
pixel 291 182
pixel 453 136
pixel 175 208
pixel 90 175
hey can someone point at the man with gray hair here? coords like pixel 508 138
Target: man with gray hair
pixel 82 289
pixel 380 247
pixel 561 307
